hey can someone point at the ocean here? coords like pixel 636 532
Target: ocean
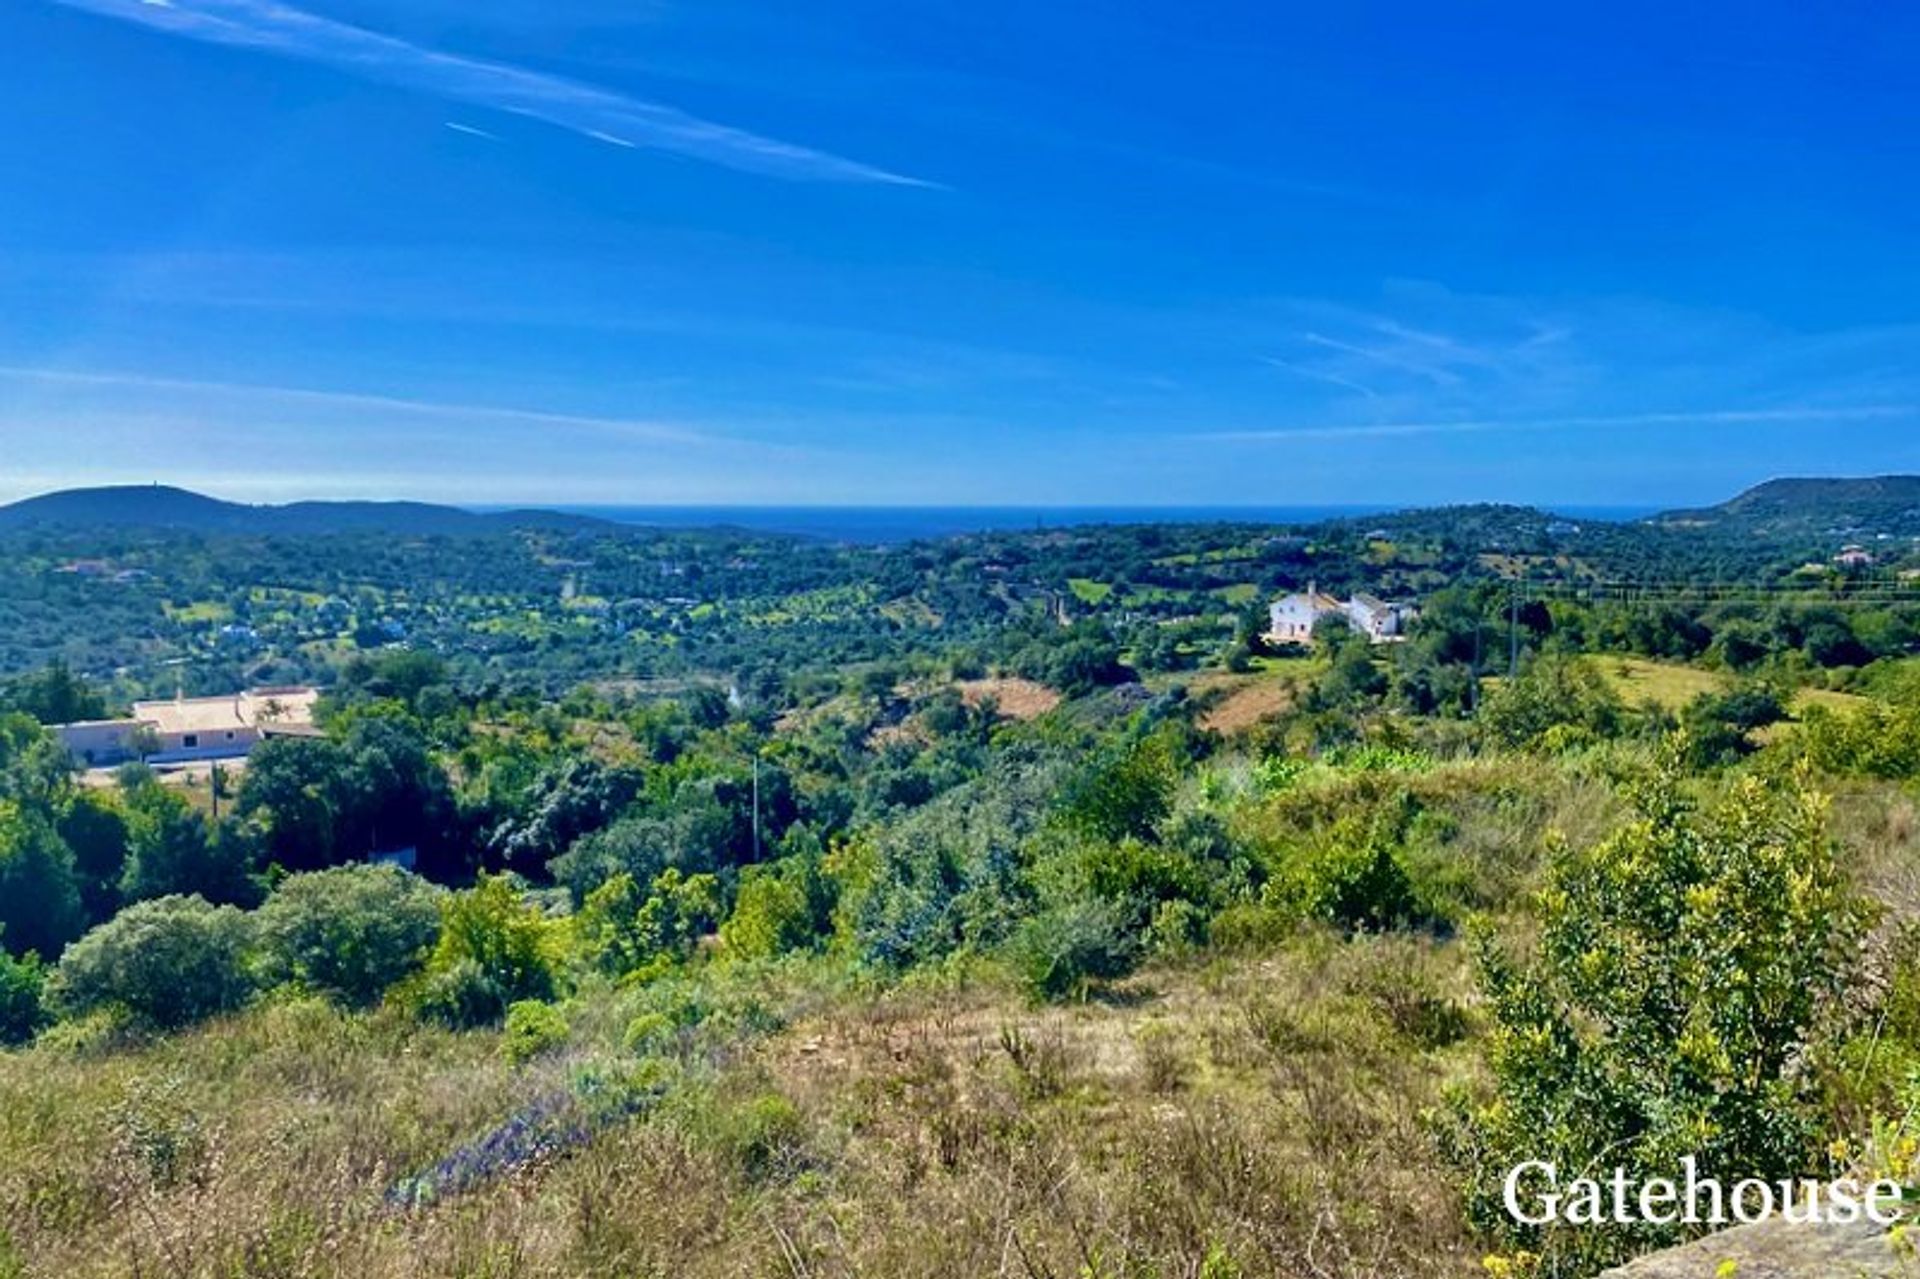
pixel 879 525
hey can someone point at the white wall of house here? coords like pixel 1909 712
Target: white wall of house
pixel 101 743
pixel 226 743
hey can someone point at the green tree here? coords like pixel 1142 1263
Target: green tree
pixel 621 930
pixel 171 851
pixel 495 949
pixel 55 695
pixel 39 891
pixel 1720 726
pixel 1680 971
pixel 349 932
pixel 1127 790
pixel 22 1004
pixel 774 912
pixel 95 829
pixel 166 963
pixel 293 794
pixel 1555 699
pixel 34 768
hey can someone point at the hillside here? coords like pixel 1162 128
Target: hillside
pixel 1813 509
pixel 162 507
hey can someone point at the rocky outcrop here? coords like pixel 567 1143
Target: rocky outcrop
pixel 1777 1249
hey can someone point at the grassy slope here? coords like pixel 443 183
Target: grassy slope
pixel 1262 1105
pixel 1265 1108
pixel 1671 686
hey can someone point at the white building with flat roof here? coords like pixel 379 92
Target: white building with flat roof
pixel 193 728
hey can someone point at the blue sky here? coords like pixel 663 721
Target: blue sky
pixel 857 251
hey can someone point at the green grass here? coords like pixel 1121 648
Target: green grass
pixel 1088 591
pixel 1671 686
pixel 1668 685
pixel 207 612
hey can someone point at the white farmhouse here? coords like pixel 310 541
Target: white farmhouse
pixel 192 728
pixel 1379 620
pixel 1291 618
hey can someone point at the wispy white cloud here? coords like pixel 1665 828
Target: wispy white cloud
pixel 1321 375
pixel 1703 417
pixel 590 111
pixel 1389 357
pixel 375 407
pixel 472 132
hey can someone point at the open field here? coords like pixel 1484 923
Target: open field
pixel 1671 686
pixel 1016 698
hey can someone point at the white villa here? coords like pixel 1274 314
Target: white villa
pixel 193 728
pixel 1292 618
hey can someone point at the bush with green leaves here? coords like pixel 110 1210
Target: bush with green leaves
pixel 1555 701
pixel 164 963
pixel 533 1029
pixel 39 890
pixel 23 1008
pixel 1873 740
pixel 1065 951
pixel 773 912
pixel 1127 790
pixel 495 949
pixel 350 932
pixel 622 930
pixel 1668 1009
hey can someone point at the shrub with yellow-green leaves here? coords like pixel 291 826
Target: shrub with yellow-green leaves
pixel 1669 1008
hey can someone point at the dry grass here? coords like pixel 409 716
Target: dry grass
pixel 1020 699
pixel 1265 1111
pixel 1248 701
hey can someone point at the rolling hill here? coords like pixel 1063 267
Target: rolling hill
pixel 174 509
pixel 1813 509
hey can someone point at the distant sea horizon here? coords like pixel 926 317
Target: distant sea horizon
pixel 879 525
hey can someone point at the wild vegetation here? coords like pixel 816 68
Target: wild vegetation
pixel 753 934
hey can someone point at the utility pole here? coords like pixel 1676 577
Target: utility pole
pixel 756 806
pixel 1513 633
pixel 1473 686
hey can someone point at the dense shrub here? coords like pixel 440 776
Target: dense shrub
pixel 39 892
pixel 165 963
pixel 495 949
pixel 350 932
pixel 1065 951
pixel 1681 967
pixel 622 930
pixel 1875 740
pixel 771 915
pixel 1357 884
pixel 22 1006
pixel 1564 693
pixel 533 1028
pixel 1127 790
